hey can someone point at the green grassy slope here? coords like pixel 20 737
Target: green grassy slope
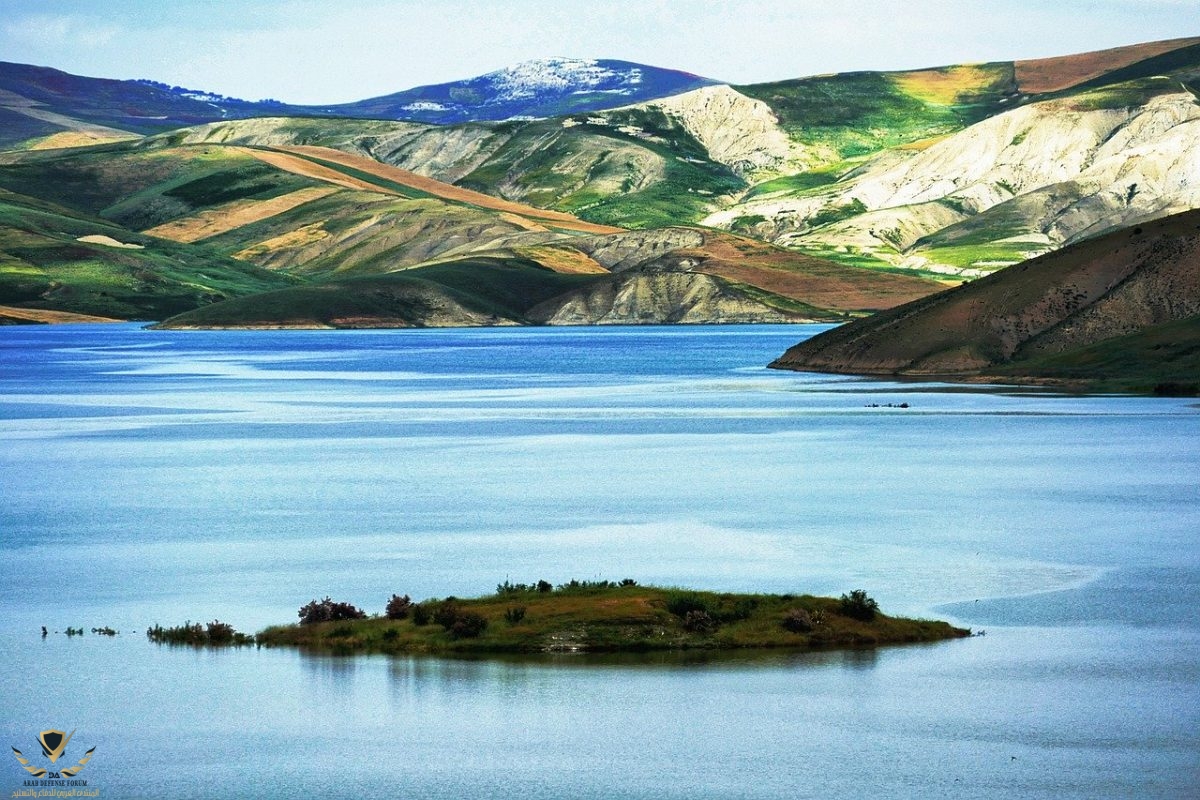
pixel 44 266
pixel 605 617
pixel 470 291
pixel 1162 359
pixel 605 176
pixel 859 113
pixel 139 188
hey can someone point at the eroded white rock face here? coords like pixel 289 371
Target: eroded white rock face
pixel 1029 148
pixel 655 298
pixel 1056 171
pixel 736 130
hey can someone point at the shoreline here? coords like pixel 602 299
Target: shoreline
pixel 594 618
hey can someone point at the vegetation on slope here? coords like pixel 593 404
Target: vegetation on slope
pixel 114 272
pixel 886 188
pixel 1114 312
pixel 470 291
pixel 603 616
pixel 140 188
pixel 1161 359
pixel 856 114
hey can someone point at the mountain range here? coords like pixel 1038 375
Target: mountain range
pixel 42 101
pixel 569 191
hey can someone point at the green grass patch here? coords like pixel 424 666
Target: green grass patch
pixel 801 183
pixel 42 266
pixel 250 181
pixel 1131 94
pixel 611 617
pixel 1162 359
pixel 860 113
pixel 982 255
pixel 831 214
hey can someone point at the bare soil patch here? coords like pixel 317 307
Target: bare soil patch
pixel 221 219
pixel 1054 74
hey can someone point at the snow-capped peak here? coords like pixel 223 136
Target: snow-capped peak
pixel 530 78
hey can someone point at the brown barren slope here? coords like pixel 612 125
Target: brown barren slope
pixel 1062 72
pixel 448 191
pixel 302 166
pixel 10 314
pixel 229 216
pixel 564 260
pixel 814 281
pixel 1087 293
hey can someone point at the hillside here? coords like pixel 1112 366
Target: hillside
pixel 954 171
pixel 39 105
pixel 313 215
pixel 53 259
pixel 817 197
pixel 676 275
pixel 1116 311
pixel 547 87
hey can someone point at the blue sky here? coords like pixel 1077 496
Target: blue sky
pixel 339 50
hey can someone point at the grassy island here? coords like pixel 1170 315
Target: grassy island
pixel 602 617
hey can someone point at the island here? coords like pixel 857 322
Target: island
pixel 583 617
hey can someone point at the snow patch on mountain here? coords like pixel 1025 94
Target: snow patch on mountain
pixel 204 97
pixel 557 75
pixel 425 105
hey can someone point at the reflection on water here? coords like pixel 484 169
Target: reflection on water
pixel 488 667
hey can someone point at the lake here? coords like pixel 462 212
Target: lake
pixel 157 476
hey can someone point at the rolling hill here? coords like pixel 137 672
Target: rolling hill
pixel 1118 311
pixel 547 87
pixel 953 171
pixel 39 104
pixel 813 198
pixel 54 259
pixel 297 215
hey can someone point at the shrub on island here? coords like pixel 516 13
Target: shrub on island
pixel 857 605
pixel 603 616
pixel 328 611
pixel 399 607
pixel 214 633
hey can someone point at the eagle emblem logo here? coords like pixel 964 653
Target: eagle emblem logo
pixel 54 744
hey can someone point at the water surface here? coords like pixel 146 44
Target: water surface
pixel 163 476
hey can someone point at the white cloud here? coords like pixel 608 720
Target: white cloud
pixel 60 30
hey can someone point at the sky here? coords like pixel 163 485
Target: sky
pixel 331 51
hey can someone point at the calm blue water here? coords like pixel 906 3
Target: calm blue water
pixel 163 476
